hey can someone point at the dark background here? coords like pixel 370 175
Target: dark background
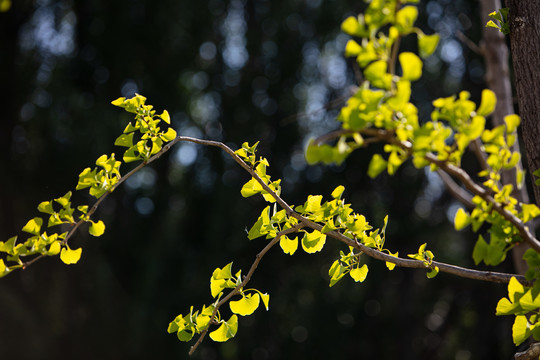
pixel 230 71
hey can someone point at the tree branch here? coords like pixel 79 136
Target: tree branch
pixel 458 192
pixel 531 353
pixel 410 263
pixel 246 280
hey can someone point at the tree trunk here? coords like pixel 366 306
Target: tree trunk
pixel 524 19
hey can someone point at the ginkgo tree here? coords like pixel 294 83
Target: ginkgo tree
pixel 380 111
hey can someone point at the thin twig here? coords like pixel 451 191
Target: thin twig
pixel 246 280
pixel 466 180
pixel 480 155
pixel 94 207
pixel 410 263
pixel 457 191
pixel 470 44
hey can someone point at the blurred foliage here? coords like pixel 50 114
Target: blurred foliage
pixel 231 71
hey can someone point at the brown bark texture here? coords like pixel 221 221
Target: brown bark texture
pixel 524 20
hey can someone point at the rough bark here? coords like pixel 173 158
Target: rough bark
pixel 524 19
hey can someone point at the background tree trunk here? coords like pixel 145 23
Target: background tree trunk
pixel 495 54
pixel 524 19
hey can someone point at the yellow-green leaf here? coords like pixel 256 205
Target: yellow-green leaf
pixel 46 207
pixel 288 246
pixel 96 228
pixel 427 44
pixel 226 331
pixel 54 249
pixel 169 135
pixel 515 287
pixel 359 274
pixel 119 102
pixel 352 26
pixel 512 122
pixel 505 307
pixel 411 66
pixel 376 70
pixel 520 330
pixel 251 188
pixel 124 140
pixel 69 256
pixel 530 211
pixel 462 219
pixel 3 269
pixel 352 48
pixel 165 117
pixel 33 226
pixel 266 299
pixel 376 166
pixel 405 19
pixel 391 265
pixel 480 250
pixel 247 305
pixel 313 242
pixel 338 192
pixel 487 105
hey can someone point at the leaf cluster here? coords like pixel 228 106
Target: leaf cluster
pixel 100 181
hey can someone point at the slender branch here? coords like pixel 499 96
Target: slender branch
pixel 94 207
pixel 466 180
pixel 480 155
pixel 484 194
pixel 246 280
pixel 457 191
pixel 412 263
pixel 470 44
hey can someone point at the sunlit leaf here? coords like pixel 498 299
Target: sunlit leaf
pixel 520 329
pixel 461 220
pixel 405 19
pixel 288 246
pixel 313 242
pixel 530 211
pixel 119 102
pixel 69 256
pixel 165 117
pixel 251 188
pixel 46 207
pixel 124 140
pixel 427 44
pixel 411 66
pixel 352 26
pixel 169 135
pixel 488 103
pixel 226 331
pixel 33 226
pixel 433 272
pixel 376 166
pixel 245 306
pixel 359 274
pixel 480 250
pixel 266 300
pixel 391 265
pixel 512 122
pixel 96 228
pixel 352 48
pixel 338 192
